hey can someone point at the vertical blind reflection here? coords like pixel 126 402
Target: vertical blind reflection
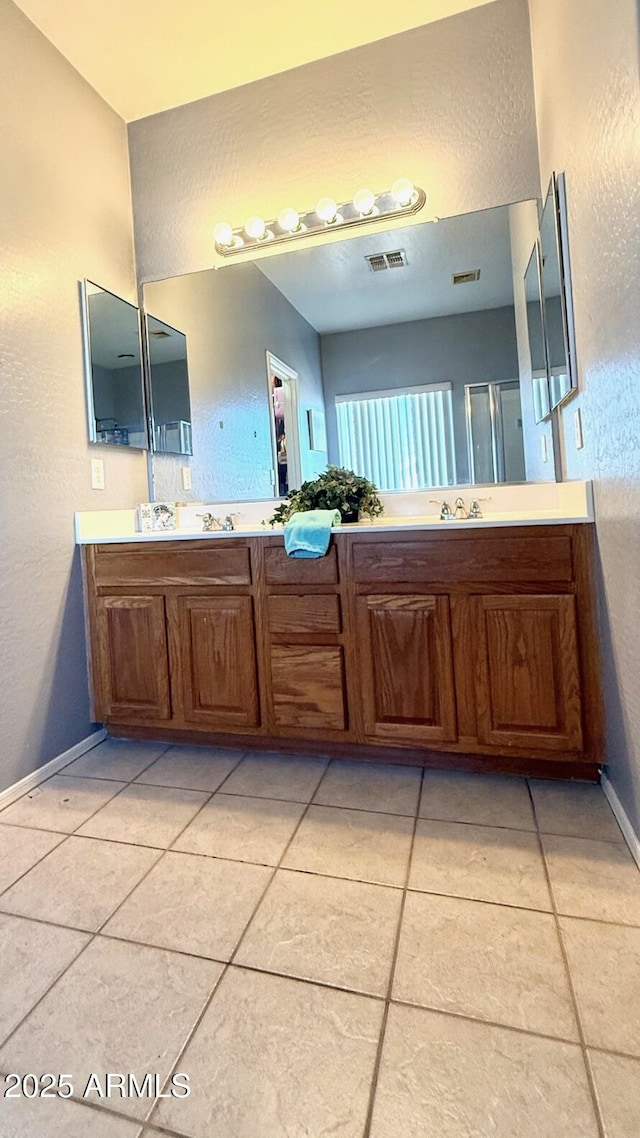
pixel 400 441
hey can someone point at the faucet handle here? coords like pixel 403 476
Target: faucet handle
pixel 475 510
pixel 446 512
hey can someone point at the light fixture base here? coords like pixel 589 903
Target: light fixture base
pixel 347 217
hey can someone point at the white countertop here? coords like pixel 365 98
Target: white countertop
pixel 555 504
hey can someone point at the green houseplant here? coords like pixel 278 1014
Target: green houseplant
pixel 334 489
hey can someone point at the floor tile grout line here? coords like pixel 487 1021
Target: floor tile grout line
pixel 96 933
pixel 567 968
pixel 108 740
pixel 375 1074
pixel 162 851
pixel 229 963
pixel 93 936
pixel 59 845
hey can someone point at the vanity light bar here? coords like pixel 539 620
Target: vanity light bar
pixel 403 198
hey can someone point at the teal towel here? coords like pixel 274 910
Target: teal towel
pixel 307 533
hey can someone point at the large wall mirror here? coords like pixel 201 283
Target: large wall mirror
pixel 170 405
pixel 556 292
pixel 404 343
pixel 113 368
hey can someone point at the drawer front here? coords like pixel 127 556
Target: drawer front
pixel 283 570
pixel 478 558
pixel 299 613
pixel 308 687
pixel 179 563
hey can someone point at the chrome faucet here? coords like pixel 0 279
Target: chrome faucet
pixel 460 510
pixel 209 523
pixel 227 524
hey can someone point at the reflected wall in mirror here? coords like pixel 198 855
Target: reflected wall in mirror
pixel 386 332
pixel 556 294
pixel 170 407
pixel 113 368
pixel 535 335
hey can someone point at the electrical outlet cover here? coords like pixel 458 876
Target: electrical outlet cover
pixel 186 477
pixel 97 474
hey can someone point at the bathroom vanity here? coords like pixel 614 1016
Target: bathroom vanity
pixel 463 646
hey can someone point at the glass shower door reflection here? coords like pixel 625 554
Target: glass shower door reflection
pixel 494 432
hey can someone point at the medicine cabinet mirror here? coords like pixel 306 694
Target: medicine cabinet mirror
pixel 556 294
pixel 170 405
pixel 113 368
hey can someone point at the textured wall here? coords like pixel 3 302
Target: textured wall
pixel 588 106
pixel 64 214
pixel 231 318
pixel 474 347
pixel 449 104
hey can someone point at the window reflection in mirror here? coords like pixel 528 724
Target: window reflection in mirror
pixel 168 387
pixel 113 365
pixel 535 334
pixel 405 341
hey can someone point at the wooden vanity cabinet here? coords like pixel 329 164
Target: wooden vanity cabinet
pixel 460 647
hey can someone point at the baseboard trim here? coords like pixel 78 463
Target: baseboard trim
pixel 622 818
pixel 42 773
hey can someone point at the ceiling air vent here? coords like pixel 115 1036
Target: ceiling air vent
pixel 160 335
pixel 466 278
pixel 378 262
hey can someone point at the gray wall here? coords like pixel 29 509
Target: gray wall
pixel 231 317
pixel 449 105
pixel 64 214
pixel 588 105
pixel 476 347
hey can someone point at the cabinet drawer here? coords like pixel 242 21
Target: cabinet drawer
pixel 299 613
pixel 283 570
pixel 308 687
pixel 173 563
pixel 474 558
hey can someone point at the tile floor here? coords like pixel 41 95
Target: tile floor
pixel 323 948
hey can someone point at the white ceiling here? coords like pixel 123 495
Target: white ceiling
pixel 333 287
pixel 145 57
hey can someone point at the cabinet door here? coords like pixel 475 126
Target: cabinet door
pixel 132 658
pixel 217 645
pixel 406 668
pixel 528 673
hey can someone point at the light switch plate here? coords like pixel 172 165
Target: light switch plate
pixel 97 474
pixel 577 426
pixel 186 477
pixel 543 447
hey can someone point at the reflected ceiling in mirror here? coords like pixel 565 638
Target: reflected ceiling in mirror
pixel 113 368
pixel 392 326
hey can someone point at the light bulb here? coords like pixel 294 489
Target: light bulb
pixel 327 210
pixel 223 234
pixel 255 228
pixel 289 220
pixel 363 202
pixel 403 191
